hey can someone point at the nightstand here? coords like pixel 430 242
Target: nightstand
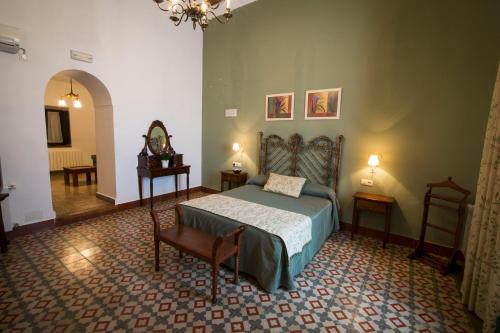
pixel 375 203
pixel 232 178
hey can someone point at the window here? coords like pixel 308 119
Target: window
pixel 58 127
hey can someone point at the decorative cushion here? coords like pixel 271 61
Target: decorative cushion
pixel 291 186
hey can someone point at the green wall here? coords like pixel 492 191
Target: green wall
pixel 416 76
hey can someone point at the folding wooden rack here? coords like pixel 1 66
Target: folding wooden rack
pixel 453 204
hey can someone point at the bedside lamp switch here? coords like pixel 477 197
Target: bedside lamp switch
pixel 367 182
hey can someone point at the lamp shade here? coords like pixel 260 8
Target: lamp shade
pixel 236 146
pixel 373 161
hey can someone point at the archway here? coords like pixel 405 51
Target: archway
pixel 99 104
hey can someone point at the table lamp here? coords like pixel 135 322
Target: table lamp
pixel 237 164
pixel 374 162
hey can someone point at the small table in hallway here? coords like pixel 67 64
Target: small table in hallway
pixel 75 171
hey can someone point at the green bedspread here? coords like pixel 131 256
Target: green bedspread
pixel 263 255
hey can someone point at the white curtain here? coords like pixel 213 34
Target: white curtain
pixel 481 283
pixel 54 131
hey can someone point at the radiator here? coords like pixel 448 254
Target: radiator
pixel 66 157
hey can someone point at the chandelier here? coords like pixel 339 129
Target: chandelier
pixel 71 96
pixel 199 11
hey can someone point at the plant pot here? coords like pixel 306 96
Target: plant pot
pixel 164 163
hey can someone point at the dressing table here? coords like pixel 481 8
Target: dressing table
pixel 157 142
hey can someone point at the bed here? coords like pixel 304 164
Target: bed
pixel 264 255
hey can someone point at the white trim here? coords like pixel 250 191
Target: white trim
pixel 282 94
pixel 339 90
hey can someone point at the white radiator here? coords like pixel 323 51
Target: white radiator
pixel 66 157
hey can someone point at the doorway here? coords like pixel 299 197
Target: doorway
pixel 80 144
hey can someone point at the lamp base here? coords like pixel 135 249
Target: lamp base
pixel 237 167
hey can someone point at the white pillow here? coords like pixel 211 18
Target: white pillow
pixel 286 185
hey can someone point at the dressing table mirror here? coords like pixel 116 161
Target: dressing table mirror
pixel 158 140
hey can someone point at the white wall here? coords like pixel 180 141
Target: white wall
pixel 151 69
pixel 82 121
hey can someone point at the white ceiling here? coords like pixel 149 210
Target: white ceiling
pixel 234 5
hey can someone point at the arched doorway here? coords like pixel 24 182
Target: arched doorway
pixel 80 134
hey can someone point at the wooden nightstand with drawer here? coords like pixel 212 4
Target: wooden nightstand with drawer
pixel 233 179
pixel 375 203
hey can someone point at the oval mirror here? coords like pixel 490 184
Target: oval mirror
pixel 158 140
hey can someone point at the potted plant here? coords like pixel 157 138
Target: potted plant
pixel 165 157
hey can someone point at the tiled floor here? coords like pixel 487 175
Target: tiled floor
pixel 98 275
pixel 69 200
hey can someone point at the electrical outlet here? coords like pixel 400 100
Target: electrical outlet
pixel 367 182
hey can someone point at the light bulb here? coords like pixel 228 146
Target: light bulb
pixel 236 146
pixel 61 102
pixel 204 7
pixel 373 161
pixel 228 4
pixel 77 104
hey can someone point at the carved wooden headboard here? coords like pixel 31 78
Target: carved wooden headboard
pixel 318 160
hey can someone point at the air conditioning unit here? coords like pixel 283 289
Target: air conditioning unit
pixel 9 44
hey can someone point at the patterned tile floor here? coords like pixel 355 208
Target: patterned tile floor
pixel 98 276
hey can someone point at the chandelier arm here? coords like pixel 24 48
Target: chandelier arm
pixel 180 19
pixel 217 18
pixel 162 9
pixel 177 11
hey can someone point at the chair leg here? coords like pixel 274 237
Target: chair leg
pixel 157 255
pixel 237 269
pixel 215 270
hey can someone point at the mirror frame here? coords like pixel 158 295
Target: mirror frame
pixel 154 124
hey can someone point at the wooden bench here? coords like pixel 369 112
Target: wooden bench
pixel 75 171
pixel 212 249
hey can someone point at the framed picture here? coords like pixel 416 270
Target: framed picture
pixel 279 107
pixel 323 104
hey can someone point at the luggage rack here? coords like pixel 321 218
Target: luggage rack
pixel 443 202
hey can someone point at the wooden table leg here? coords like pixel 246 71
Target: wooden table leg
pixel 354 219
pixel 89 177
pixel 95 174
pixel 221 184
pixel 176 184
pixel 387 226
pixel 3 239
pixel 139 180
pixel 215 271
pixel 187 184
pixel 151 195
pixel 75 179
pixel 66 178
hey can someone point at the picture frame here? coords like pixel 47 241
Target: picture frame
pixel 279 106
pixel 323 104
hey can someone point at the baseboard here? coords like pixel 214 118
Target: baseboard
pixel 30 228
pixel 69 219
pixel 433 248
pixel 209 190
pixel 162 197
pixel 105 198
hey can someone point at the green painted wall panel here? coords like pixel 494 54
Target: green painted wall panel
pixel 417 80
